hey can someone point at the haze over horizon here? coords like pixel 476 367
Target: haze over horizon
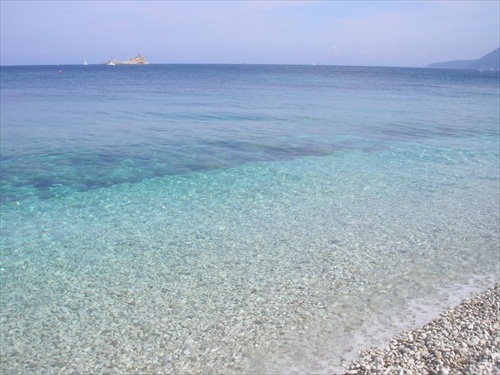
pixel 365 33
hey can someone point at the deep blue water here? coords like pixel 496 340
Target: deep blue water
pixel 96 126
pixel 222 218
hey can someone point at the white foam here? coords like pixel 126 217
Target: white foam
pixel 330 353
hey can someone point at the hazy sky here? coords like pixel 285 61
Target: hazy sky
pixel 379 33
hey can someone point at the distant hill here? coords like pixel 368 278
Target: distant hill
pixel 491 61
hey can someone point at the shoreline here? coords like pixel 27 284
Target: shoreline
pixel 463 339
pixel 323 349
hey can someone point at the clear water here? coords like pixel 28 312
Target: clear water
pixel 237 218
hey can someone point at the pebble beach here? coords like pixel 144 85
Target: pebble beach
pixel 463 340
pixel 240 219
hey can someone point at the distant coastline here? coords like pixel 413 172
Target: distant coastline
pixel 490 61
pixel 138 60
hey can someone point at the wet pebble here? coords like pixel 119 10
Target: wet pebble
pixel 462 340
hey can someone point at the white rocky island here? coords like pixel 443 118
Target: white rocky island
pixel 138 60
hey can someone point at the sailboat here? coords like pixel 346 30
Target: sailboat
pixel 85 62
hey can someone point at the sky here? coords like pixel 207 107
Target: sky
pixel 365 33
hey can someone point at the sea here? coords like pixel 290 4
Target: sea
pixel 238 219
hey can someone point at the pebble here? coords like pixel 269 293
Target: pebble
pixel 464 339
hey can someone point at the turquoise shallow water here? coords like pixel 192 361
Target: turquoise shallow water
pixel 185 219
